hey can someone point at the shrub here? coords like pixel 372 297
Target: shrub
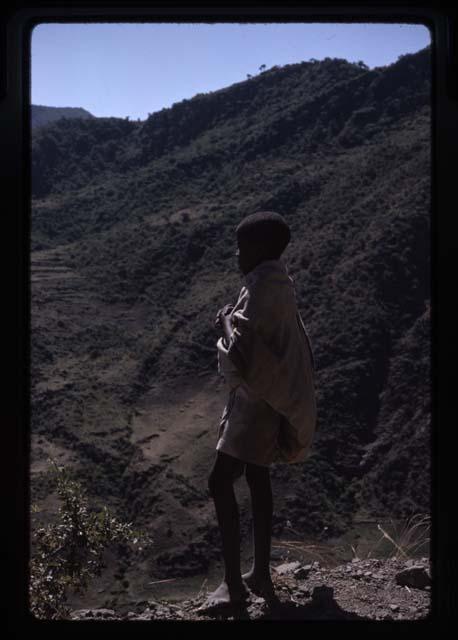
pixel 68 553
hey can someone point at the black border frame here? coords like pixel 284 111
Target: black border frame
pixel 15 37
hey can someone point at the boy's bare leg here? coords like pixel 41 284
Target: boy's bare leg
pixel 258 578
pixel 221 485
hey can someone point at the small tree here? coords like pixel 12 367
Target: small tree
pixel 68 553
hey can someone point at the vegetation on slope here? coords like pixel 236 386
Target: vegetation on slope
pixel 144 214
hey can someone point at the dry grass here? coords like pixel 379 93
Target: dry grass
pixel 405 538
pixel 399 539
pixel 323 553
pixel 409 537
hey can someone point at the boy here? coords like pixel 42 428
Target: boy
pixel 265 357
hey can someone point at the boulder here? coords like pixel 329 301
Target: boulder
pixel 415 576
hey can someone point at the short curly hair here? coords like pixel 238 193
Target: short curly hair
pixel 267 229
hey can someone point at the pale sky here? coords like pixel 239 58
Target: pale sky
pixel 133 69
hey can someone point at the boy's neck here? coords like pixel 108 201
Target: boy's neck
pixel 262 263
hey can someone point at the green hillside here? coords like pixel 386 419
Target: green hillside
pixel 133 253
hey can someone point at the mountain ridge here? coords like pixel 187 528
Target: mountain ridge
pixel 42 115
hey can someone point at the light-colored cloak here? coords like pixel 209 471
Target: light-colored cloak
pixel 273 346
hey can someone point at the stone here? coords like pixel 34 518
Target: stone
pixel 415 576
pixel 302 572
pixel 394 607
pixel 288 567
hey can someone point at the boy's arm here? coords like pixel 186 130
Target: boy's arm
pixel 233 353
pixel 249 350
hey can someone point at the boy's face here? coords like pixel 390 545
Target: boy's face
pixel 249 255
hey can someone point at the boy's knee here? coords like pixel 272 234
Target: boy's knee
pixel 221 479
pixel 216 483
pixel 257 475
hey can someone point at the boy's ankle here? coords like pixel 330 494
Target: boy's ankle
pixel 261 576
pixel 234 582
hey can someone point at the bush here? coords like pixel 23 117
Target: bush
pixel 68 553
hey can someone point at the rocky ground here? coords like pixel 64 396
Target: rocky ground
pixel 370 589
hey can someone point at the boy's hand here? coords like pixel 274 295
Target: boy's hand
pixel 225 311
pixel 222 322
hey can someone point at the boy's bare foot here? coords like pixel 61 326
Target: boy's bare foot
pixel 225 596
pixel 260 586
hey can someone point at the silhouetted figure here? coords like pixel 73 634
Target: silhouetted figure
pixel 266 360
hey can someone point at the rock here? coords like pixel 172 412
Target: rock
pixel 288 567
pixel 394 607
pixel 303 589
pixel 416 576
pixel 106 613
pixel 93 613
pixel 131 615
pixel 302 572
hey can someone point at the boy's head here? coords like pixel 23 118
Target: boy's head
pixel 263 235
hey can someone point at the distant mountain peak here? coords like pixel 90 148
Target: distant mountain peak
pixel 42 115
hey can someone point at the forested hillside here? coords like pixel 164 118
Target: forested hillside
pixel 41 116
pixel 133 253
